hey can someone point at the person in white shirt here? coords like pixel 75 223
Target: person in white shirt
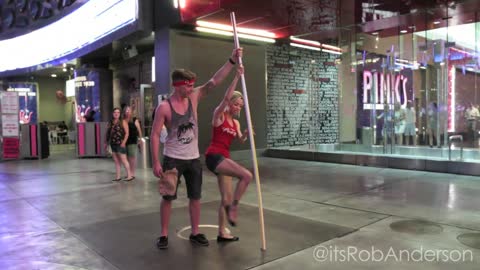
pixel 472 115
pixel 410 120
pixel 399 120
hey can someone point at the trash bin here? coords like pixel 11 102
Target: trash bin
pixel 145 155
pixel 367 136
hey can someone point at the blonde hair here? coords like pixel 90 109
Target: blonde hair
pixel 236 95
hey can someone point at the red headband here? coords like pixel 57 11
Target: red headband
pixel 184 82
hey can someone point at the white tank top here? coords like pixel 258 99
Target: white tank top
pixel 182 138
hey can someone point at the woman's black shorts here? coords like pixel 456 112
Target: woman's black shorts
pixel 212 161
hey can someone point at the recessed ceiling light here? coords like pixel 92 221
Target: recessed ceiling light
pixel 54 75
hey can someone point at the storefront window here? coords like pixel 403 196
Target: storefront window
pixel 408 91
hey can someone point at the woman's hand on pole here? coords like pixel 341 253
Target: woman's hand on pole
pixel 237 54
pixel 240 70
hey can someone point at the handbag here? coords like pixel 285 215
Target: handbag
pixel 167 185
pixel 109 150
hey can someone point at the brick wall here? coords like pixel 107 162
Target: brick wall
pixel 302 97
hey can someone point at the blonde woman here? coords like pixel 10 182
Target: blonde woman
pixel 133 142
pixel 117 134
pixel 217 156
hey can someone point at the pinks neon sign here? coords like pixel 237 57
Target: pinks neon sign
pixel 380 88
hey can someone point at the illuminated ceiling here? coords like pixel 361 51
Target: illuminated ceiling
pixel 466 35
pixel 322 20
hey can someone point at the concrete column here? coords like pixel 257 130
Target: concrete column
pixel 162 62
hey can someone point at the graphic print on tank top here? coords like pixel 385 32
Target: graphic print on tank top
pixel 229 130
pixel 185 132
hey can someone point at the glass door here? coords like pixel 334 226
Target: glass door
pixel 146 108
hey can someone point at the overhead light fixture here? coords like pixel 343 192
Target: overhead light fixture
pixel 436 22
pixel 214 31
pixel 153 69
pixel 305 46
pixel 314 45
pixel 332 52
pixel 182 3
pixel 227 33
pixel 305 41
pixel 54 75
pixel 406 64
pixel 251 37
pixel 375 33
pixel 401 60
pixel 331 47
pixel 225 27
pixel 403 31
pixel 179 3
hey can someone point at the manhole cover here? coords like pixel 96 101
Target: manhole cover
pixel 416 227
pixel 470 239
pixel 210 231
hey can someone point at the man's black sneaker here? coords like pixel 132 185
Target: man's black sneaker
pixel 162 242
pixel 199 239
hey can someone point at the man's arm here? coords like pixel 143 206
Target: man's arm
pixel 220 75
pixel 158 123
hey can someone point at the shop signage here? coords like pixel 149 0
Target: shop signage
pixel 87 94
pixel 378 85
pixel 380 88
pixel 82 81
pixel 11 148
pixel 10 125
pixel 9 103
pixel 27 101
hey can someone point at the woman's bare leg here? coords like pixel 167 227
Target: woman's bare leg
pixel 229 167
pixel 118 168
pixel 225 188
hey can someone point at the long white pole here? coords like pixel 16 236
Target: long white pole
pixel 250 136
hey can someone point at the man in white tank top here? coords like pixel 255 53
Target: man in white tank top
pixel 179 115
